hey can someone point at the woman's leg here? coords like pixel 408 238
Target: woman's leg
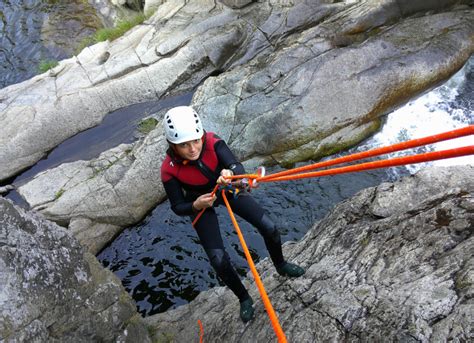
pixel 247 208
pixel 209 234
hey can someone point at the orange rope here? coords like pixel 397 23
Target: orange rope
pixel 282 176
pixel 202 211
pixel 398 161
pixel 268 306
pixel 242 176
pixel 465 131
pixel 292 175
pixel 201 331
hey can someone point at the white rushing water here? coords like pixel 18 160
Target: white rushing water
pixel 440 110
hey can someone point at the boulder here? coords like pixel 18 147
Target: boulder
pixel 295 49
pixel 96 199
pixel 278 108
pixel 152 5
pixel 108 12
pixel 310 99
pixel 52 290
pixel 144 65
pixel 393 263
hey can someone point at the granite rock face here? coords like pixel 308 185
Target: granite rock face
pixel 51 290
pixel 97 199
pixel 393 263
pixel 289 52
pixel 295 82
pixel 326 88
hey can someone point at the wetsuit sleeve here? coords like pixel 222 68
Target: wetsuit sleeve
pixel 227 158
pixel 178 203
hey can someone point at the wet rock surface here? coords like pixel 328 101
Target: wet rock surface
pixel 392 263
pixel 313 97
pixel 278 103
pixel 51 290
pixel 297 62
pixel 96 199
pixel 285 83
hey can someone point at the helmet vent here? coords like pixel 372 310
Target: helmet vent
pixel 182 124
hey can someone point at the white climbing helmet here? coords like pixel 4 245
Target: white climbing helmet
pixel 182 124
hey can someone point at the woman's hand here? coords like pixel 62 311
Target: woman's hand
pixel 204 201
pixel 222 180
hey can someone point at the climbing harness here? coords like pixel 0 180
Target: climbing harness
pixel 242 183
pixel 247 182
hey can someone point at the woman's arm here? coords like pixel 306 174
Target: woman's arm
pixel 227 158
pixel 178 203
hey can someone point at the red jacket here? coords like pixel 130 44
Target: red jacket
pixel 185 180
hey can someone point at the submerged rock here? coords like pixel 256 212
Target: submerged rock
pixel 393 263
pixel 51 290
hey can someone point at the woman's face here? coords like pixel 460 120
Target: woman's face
pixel 189 150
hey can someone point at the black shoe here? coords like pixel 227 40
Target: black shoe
pixel 246 310
pixel 290 270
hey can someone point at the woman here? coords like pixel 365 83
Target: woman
pixel 196 160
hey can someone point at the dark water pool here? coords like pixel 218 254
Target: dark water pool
pixel 162 265
pixel 118 127
pixel 35 30
pixel 160 261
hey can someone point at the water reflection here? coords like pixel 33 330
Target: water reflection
pixel 162 264
pixel 31 31
pixel 117 127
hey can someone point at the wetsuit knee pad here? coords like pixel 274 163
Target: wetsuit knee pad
pixel 269 230
pixel 219 259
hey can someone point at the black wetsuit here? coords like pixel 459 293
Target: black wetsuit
pixel 184 181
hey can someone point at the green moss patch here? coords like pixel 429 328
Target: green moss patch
pixel 45 65
pixel 147 125
pixel 118 31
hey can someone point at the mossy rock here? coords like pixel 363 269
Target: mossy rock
pixel 147 125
